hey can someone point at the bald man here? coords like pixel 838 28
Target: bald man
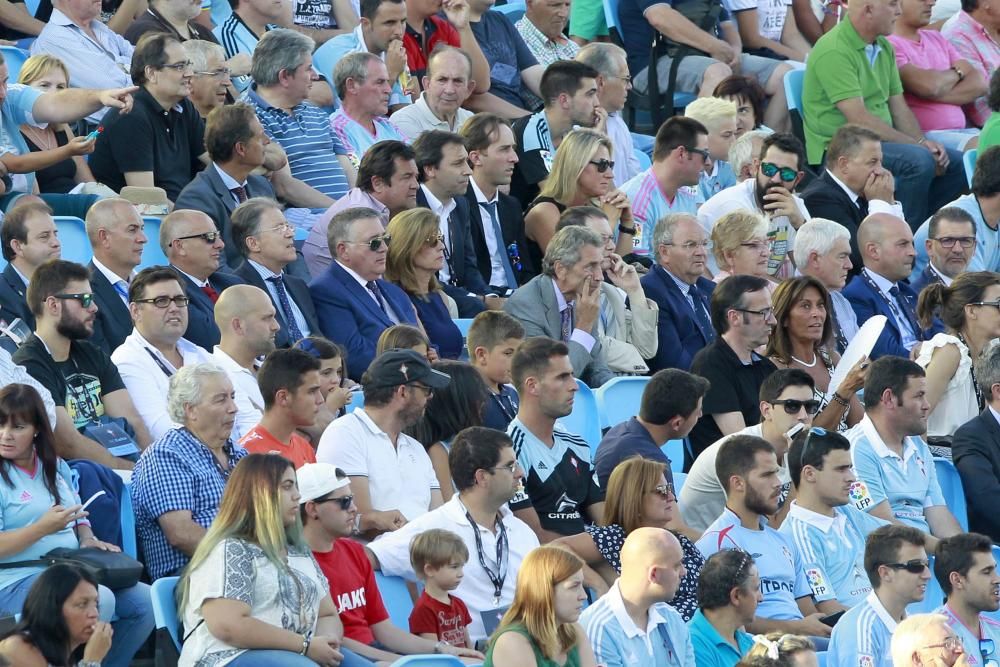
pixel 246 320
pixel 193 246
pixel 886 246
pixel 632 624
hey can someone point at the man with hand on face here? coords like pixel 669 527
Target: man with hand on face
pixel 771 193
pixel 949 246
pixel 447 86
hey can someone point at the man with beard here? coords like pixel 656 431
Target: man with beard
pixel 81 377
pixel 892 459
pixel 748 469
pixel 248 324
pixel 967 572
pixel 391 475
pixel 777 171
pixel 559 480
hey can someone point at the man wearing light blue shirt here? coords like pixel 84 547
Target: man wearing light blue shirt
pixel 967 572
pixel 632 624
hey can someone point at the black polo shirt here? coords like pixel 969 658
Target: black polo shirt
pixel 149 138
pixel 735 387
pixel 152 21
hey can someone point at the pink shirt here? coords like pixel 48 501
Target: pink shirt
pixel 974 44
pixel 932 52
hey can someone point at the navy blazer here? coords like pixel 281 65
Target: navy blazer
pixel 349 315
pixel 867 302
pixel 207 193
pixel 512 229
pixel 975 450
pixel 926 277
pixel 463 253
pixel 298 291
pixel 201 329
pixel 113 323
pixel 678 332
pixel 12 298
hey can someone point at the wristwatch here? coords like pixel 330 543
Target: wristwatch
pixel 622 229
pixel 441 646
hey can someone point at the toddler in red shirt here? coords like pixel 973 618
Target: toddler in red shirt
pixel 438 557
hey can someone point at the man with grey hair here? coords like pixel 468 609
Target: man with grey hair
pixel 267 243
pixel 282 78
pixel 178 482
pixel 975 448
pixel 677 285
pixel 925 640
pixel 364 87
pixel 212 78
pixel 949 247
pixel 822 250
pixel 354 304
pixel 613 84
pixel 447 84
pixel 563 302
pixel 743 151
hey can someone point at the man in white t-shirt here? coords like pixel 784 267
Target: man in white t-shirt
pixel 391 475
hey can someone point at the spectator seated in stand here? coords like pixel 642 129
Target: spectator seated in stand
pixel 965 30
pixel 728 595
pixel 212 78
pixel 966 570
pixel 948 248
pixel 337 390
pixel 794 650
pixel 447 85
pixel 405 337
pixel 823 251
pixel 719 118
pixel 491 341
pixel 543 29
pixel 175 18
pixel 740 246
pixel 990 136
pixel 769 30
pixel 30 238
pixel 363 86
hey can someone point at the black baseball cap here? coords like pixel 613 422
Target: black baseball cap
pixel 397 367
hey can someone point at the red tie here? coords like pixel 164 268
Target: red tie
pixel 210 292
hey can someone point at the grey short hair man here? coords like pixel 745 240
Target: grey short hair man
pixel 352 66
pixel 613 84
pixel 564 302
pixel 743 151
pixel 823 251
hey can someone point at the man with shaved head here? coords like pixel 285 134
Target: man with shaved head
pixel 886 245
pixel 246 319
pixel 193 245
pixel 633 619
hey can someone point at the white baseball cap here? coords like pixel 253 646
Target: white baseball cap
pixel 318 479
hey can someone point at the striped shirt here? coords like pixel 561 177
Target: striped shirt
pixel 237 37
pixel 988 629
pixel 357 139
pixel 650 203
pixel 308 140
pixel 862 636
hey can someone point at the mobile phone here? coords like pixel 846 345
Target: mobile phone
pixel 831 619
pixel 794 431
pixel 92 499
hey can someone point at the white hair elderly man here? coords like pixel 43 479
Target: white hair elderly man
pixel 823 250
pixel 925 640
pixel 742 152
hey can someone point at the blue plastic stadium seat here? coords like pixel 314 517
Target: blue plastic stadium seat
pixel 644 161
pixel 165 607
pixel 618 399
pixel 357 401
pixel 73 237
pixel 14 58
pixel 463 325
pixel 793 97
pixel 152 253
pixel 821 658
pixel 969 161
pixel 951 487
pixel 396 597
pixel 679 479
pixel 513 10
pixel 128 522
pixel 584 420
pixel 674 450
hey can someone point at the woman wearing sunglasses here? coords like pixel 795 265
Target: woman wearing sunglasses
pixel 970 309
pixel 582 174
pixel 638 495
pixel 416 255
pixel 803 339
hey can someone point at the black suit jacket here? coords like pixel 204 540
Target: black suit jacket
pixel 463 263
pixel 12 298
pixel 512 229
pixel 975 450
pixel 825 199
pixel 113 323
pixel 298 291
pixel 201 328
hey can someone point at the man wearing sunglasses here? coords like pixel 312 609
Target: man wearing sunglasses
pixel 966 569
pixel 949 246
pixel 897 567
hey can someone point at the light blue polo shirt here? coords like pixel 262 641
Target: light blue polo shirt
pixel 862 636
pixel 722 177
pixel 987 254
pixel 832 550
pixel 988 629
pixel 909 484
pixel 17 111
pixel 710 649
pixel 782 577
pixel 649 204
pixel 617 641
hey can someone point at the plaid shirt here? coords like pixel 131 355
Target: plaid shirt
pixel 177 472
pixel 976 45
pixel 545 51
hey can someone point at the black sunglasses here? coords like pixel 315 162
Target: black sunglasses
pixel 915 566
pixel 787 173
pixel 603 165
pixel 85 298
pixel 374 243
pixel 344 501
pixel 792 406
pixel 207 237
pixel 705 155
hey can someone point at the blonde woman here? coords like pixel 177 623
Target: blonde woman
pixel 582 173
pixel 540 629
pixel 415 256
pixel 795 650
pixel 54 157
pixel 719 118
pixel 740 246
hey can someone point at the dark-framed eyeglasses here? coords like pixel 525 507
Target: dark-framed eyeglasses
pixel 345 502
pixel 179 67
pixel 766 313
pixel 432 240
pixel 603 165
pixel 85 298
pixel 207 237
pixel 815 430
pixel 179 300
pixel 705 155
pixel 792 406
pixel 665 490
pixel 915 566
pixel 509 467
pixel 221 74
pixel 374 243
pixel 787 174
pixel 988 647
pixel 995 304
pixel 949 241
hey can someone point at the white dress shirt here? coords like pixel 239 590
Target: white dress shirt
pixel 442 211
pixel 249 400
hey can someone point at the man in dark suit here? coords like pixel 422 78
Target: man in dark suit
pixel 267 243
pixel 853 184
pixel 975 450
pixel 886 244
pixel 354 304
pixel 235 142
pixel 497 223
pixel 950 244
pixel 115 230
pixel 194 246
pixel 30 239
pixel 676 285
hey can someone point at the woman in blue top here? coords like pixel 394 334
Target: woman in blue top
pixel 40 511
pixel 416 254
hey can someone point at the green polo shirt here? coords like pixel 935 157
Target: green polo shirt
pixel 710 649
pixel 840 68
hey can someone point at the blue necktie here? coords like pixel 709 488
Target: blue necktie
pixel 294 333
pixel 508 270
pixel 701 314
pixel 377 293
pixel 122 288
pixel 908 313
pixel 566 317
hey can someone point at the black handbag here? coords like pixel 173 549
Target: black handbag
pixel 113 569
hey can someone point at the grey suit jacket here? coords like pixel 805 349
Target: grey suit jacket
pixel 534 304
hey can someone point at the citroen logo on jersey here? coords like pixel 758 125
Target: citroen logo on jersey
pixel 565 504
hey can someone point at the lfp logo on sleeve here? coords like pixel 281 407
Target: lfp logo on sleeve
pixel 859 496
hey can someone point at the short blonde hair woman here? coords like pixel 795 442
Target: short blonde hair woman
pixel 795 650
pixel 416 254
pixel 740 245
pixel 582 173
pixel 541 627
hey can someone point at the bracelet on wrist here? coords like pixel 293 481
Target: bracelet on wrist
pixel 305 644
pixel 840 399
